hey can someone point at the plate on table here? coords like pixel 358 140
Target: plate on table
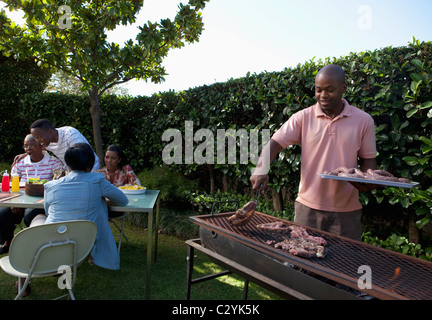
pixel 141 190
pixel 380 182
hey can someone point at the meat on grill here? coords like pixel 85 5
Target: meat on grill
pixel 243 215
pixel 301 247
pixel 300 242
pixel 380 175
pixel 301 233
pixel 277 227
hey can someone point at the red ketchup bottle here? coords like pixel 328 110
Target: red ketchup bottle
pixel 5 182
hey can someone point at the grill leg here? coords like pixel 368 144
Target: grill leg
pixel 190 261
pixel 189 270
pixel 245 289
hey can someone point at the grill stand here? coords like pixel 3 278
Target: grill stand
pixel 301 286
pixel 395 275
pixel 192 245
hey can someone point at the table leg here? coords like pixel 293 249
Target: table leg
pixel 149 252
pixel 156 230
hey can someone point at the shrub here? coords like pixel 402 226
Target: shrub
pixel 17 79
pixel 218 202
pixel 173 186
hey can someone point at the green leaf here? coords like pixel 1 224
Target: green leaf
pixel 426 149
pixel 411 161
pixel 426 105
pixel 425 140
pixel 414 86
pixel 416 76
pixel 417 63
pixel 422 222
pixel 411 112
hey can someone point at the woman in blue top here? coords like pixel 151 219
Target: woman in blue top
pixel 81 195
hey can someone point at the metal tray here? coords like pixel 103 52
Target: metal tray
pixel 380 182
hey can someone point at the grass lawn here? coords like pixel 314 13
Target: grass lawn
pixel 168 280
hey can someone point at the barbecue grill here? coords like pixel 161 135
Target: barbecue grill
pixel 245 250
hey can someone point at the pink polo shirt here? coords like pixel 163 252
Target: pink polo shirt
pixel 327 144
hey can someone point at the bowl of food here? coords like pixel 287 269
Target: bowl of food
pixel 132 189
pixel 35 187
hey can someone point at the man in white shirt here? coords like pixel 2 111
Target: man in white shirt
pixel 58 140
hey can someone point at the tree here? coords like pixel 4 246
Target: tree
pixel 62 83
pixel 72 38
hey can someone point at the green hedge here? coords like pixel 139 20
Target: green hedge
pixel 17 79
pixel 392 84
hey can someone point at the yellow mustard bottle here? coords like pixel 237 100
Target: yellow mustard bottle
pixel 15 183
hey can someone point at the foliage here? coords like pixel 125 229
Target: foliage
pixel 5 166
pixel 419 199
pixel 399 244
pixel 218 201
pixel 72 38
pixel 172 185
pixel 81 49
pixel 18 78
pixel 62 83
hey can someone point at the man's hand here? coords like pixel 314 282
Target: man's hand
pixel 364 187
pixel 257 180
pixel 366 164
pixel 260 176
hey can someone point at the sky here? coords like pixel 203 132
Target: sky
pixel 256 36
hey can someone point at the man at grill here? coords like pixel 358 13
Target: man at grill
pixel 332 134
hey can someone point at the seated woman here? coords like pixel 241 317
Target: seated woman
pixel 36 163
pixel 81 196
pixel 117 171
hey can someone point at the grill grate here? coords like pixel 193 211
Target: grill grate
pixel 394 275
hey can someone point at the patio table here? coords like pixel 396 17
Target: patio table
pixel 140 203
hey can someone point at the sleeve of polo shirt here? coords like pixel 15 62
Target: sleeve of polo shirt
pixel 290 132
pixel 368 146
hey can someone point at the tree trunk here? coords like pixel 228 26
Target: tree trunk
pixel 212 181
pixel 96 112
pixel 413 231
pixel 277 200
pixel 224 183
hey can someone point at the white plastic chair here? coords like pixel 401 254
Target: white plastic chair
pixel 45 250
